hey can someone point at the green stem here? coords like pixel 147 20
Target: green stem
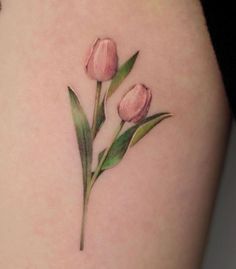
pixel 96 107
pixel 91 183
pixel 84 216
pixel 100 164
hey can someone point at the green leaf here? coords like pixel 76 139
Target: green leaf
pixel 147 126
pixel 129 138
pixel 121 74
pixel 117 150
pixel 101 117
pixel 84 136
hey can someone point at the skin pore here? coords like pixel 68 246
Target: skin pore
pixel 153 210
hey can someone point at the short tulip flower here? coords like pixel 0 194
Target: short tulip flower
pixel 135 104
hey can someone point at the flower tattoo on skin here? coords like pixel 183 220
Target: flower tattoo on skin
pixel 102 65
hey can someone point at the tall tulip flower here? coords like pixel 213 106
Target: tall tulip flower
pixel 102 60
pixel 101 64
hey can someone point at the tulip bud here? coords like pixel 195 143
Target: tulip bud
pixel 102 60
pixel 135 104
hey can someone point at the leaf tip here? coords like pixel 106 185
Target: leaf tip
pixel 136 55
pixel 70 90
pixel 168 115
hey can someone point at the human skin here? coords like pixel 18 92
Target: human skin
pixel 153 209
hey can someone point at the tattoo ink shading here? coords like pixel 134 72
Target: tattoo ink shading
pixel 102 65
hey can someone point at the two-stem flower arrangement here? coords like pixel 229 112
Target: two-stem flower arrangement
pixel 102 65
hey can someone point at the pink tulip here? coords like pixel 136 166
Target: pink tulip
pixel 135 104
pixel 102 60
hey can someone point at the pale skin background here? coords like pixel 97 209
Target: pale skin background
pixel 152 211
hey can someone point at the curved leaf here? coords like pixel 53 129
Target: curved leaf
pixel 129 138
pixel 84 136
pixel 147 126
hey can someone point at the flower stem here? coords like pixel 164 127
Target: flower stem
pixel 91 183
pixel 96 107
pixel 100 164
pixel 84 216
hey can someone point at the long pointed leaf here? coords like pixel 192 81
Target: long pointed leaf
pixel 84 136
pixel 129 138
pixel 121 74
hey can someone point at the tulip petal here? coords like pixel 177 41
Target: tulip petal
pixel 129 138
pixel 84 136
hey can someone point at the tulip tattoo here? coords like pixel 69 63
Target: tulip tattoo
pixel 102 65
